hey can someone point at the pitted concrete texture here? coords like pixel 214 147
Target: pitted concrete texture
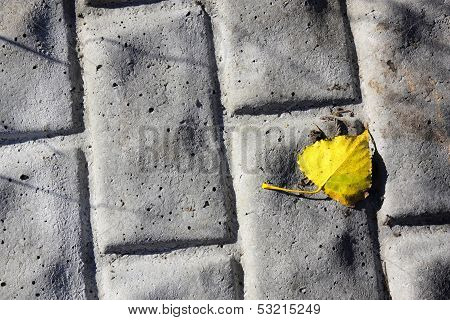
pixel 322 249
pixel 40 215
pixel 150 95
pixel 135 136
pixel 175 276
pixel 35 88
pixel 405 84
pixel 418 262
pixel 276 55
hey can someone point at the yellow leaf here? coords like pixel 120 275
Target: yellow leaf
pixel 341 167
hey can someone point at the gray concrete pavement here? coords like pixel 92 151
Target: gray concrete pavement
pixel 135 135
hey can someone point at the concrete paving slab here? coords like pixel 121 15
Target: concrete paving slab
pixel 40 220
pixel 280 55
pixel 188 107
pixel 295 247
pixel 173 276
pixel 417 262
pixel 35 84
pixel 405 88
pixel 160 174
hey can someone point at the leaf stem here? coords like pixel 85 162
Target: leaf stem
pixel 296 191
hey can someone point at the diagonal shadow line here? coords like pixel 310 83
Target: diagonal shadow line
pixel 32 50
pixel 63 197
pixel 15 137
pixel 10 138
pixel 29 49
pixel 87 251
pixel 153 247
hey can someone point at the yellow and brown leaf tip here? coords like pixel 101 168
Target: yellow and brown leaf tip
pixel 341 167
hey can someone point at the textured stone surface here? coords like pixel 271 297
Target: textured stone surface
pixel 175 276
pixel 40 237
pixel 173 91
pixel 418 262
pixel 158 167
pixel 294 247
pixel 35 88
pixel 405 81
pixel 278 55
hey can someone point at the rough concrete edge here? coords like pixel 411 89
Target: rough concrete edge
pixel 87 241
